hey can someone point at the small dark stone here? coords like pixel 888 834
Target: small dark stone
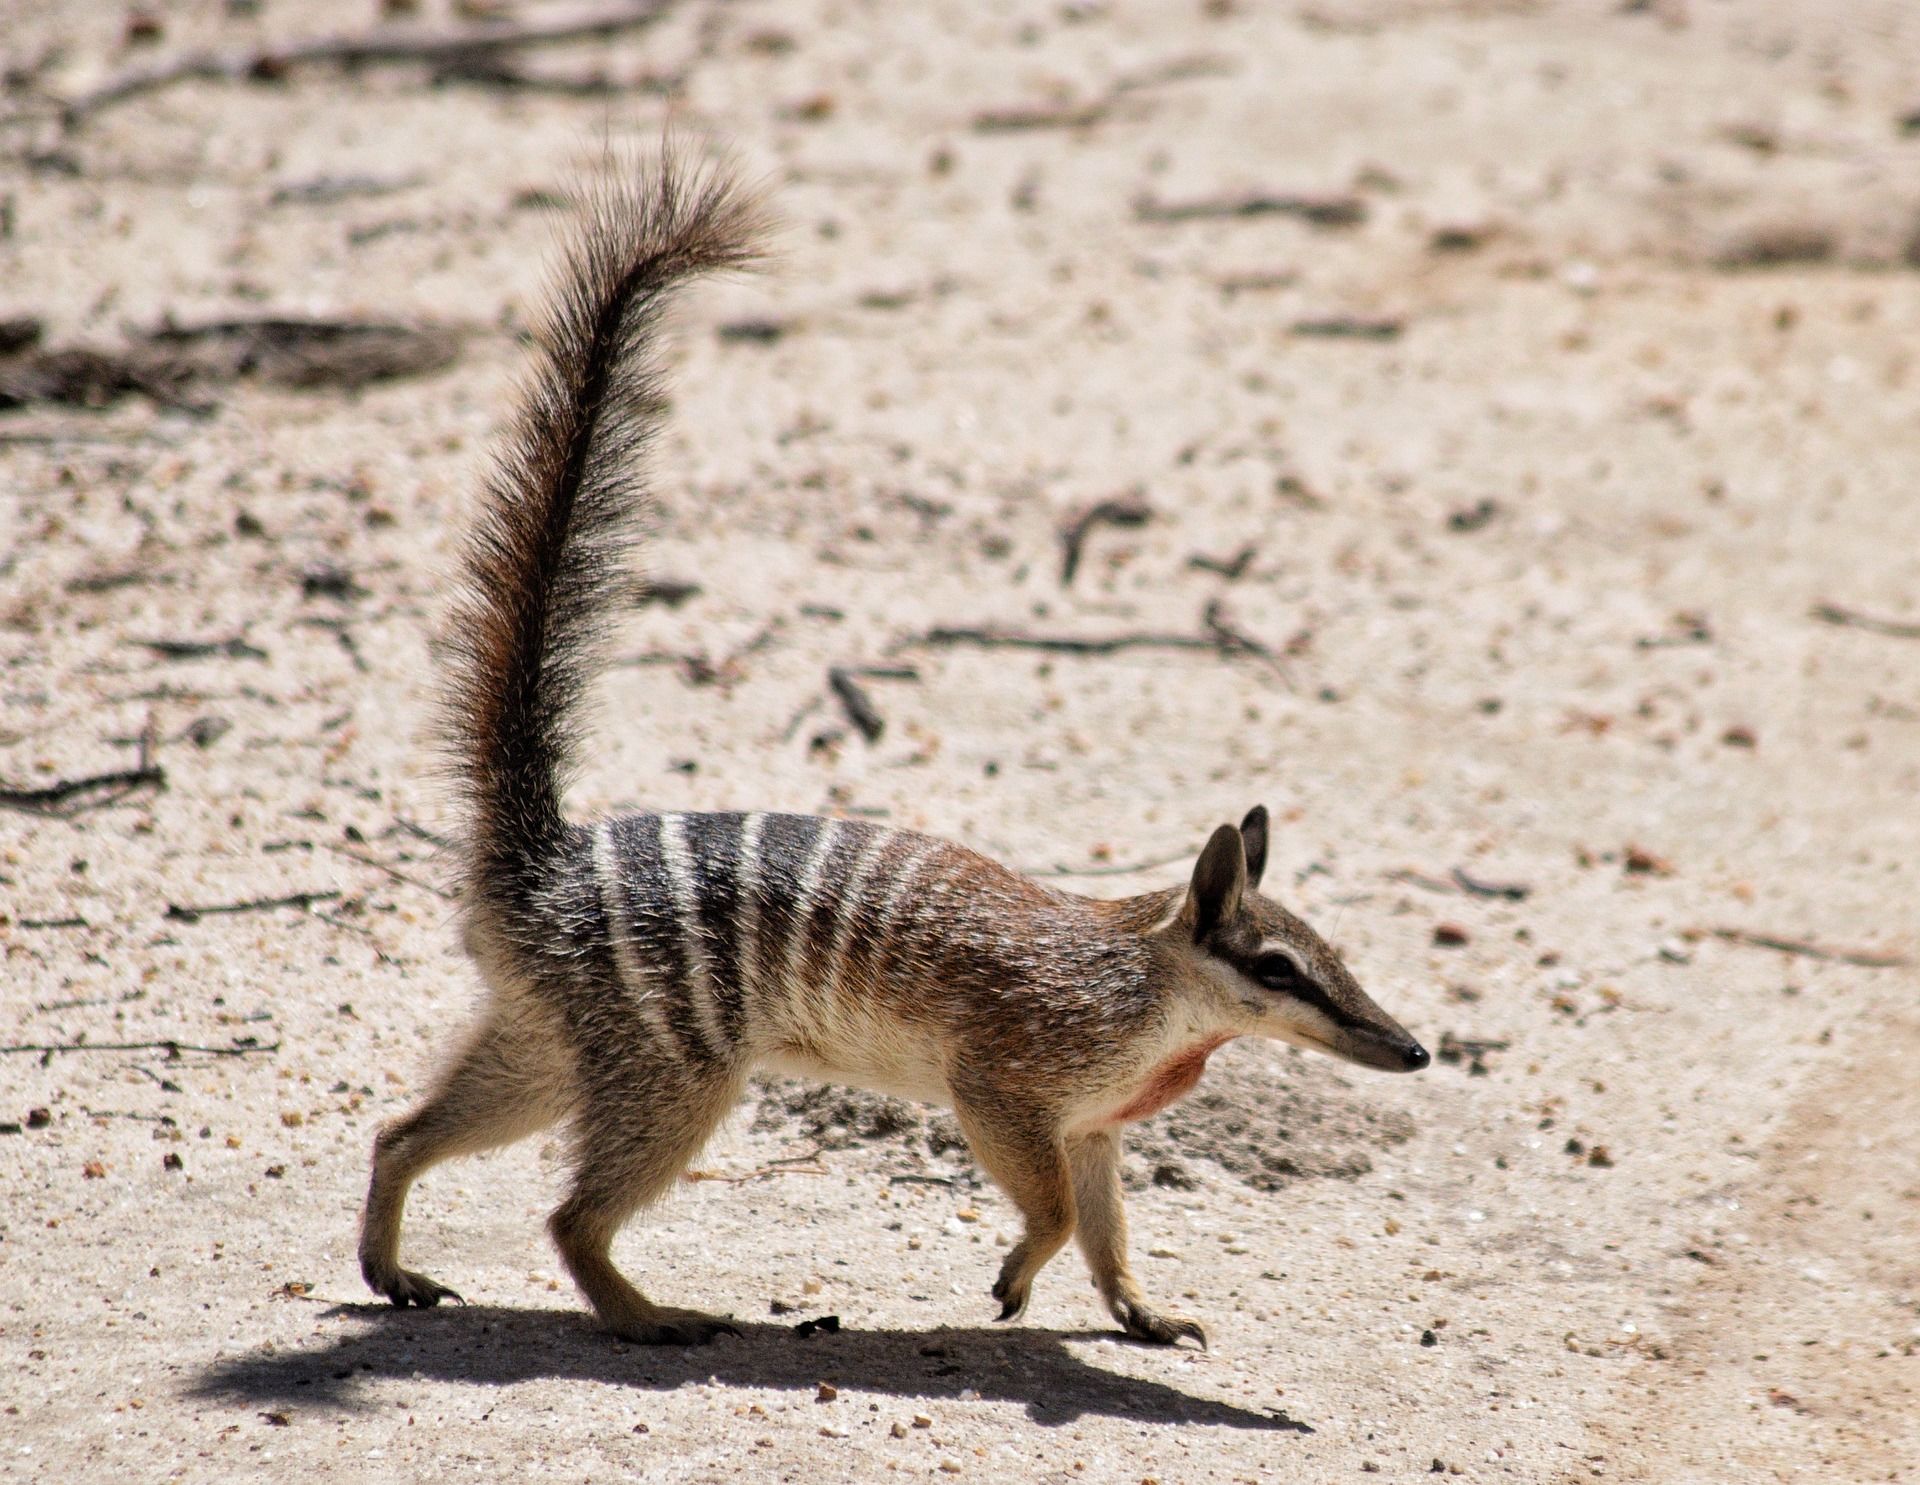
pixel 1473 517
pixel 1428 1338
pixel 38 1118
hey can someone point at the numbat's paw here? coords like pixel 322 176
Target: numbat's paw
pixel 407 1288
pixel 1144 1324
pixel 664 1327
pixel 1011 1294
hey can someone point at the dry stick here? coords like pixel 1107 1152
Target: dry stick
pixel 393 871
pixel 1230 568
pixel 859 706
pixel 236 648
pixel 1833 613
pixel 992 638
pixel 1020 117
pixel 50 797
pixel 1126 869
pixel 1319 211
pixel 171 1048
pixel 1866 958
pixel 385 45
pixel 1420 879
pixel 1512 891
pixel 1124 510
pixel 301 900
pixel 1215 618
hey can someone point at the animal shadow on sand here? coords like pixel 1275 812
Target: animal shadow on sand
pixel 493 1346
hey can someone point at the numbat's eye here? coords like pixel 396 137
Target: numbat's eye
pixel 1277 972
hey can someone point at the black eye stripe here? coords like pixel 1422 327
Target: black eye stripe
pixel 1279 973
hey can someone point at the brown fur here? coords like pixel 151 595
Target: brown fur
pixel 639 969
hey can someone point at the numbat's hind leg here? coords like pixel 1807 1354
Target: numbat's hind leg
pixel 634 1142
pixel 510 1081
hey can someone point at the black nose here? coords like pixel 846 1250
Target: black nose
pixel 1415 1057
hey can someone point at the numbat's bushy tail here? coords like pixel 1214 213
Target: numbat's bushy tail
pixel 548 558
pixel 639 968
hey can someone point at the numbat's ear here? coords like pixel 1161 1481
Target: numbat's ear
pixel 1253 830
pixel 1219 879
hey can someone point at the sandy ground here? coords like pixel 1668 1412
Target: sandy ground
pixel 1533 557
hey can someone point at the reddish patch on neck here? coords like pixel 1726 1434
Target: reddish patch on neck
pixel 1169 1082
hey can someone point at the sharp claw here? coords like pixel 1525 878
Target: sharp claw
pixel 1010 1308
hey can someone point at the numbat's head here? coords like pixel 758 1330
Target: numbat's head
pixel 1272 967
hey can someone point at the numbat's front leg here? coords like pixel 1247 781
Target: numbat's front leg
pixel 1102 1230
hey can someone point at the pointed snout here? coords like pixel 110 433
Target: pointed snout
pixel 1394 1052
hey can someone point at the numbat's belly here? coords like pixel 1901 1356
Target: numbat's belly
pixel 1167 1082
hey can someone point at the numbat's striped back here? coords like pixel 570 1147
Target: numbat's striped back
pixel 740 937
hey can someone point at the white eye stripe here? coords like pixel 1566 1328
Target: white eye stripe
pixel 1274 946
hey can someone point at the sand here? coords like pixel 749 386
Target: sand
pixel 1516 381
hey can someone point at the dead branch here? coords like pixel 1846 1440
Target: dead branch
pixel 1350 327
pixel 70 796
pixel 1317 211
pixel 1457 880
pixel 236 648
pixel 1230 568
pixel 302 900
pixel 1022 117
pixel 992 637
pixel 385 45
pixel 1122 510
pixel 1421 880
pixel 1237 641
pixel 1121 869
pixel 1807 949
pixel 173 1049
pixel 859 706
pixel 1833 613
pixel 1511 891
pixel 392 871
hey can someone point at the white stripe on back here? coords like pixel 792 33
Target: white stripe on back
pixel 804 890
pixel 677 858
pixel 646 993
pixel 850 899
pixel 746 927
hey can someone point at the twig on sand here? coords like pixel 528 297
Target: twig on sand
pixel 70 796
pixel 1511 891
pixel 173 1049
pixel 1220 639
pixel 392 871
pixel 302 900
pixel 1833 613
pixel 859 706
pixel 1807 949
pixel 1318 211
pixel 380 46
pixel 94 791
pixel 1116 869
pixel 1120 510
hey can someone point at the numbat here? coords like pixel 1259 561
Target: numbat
pixel 640 968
